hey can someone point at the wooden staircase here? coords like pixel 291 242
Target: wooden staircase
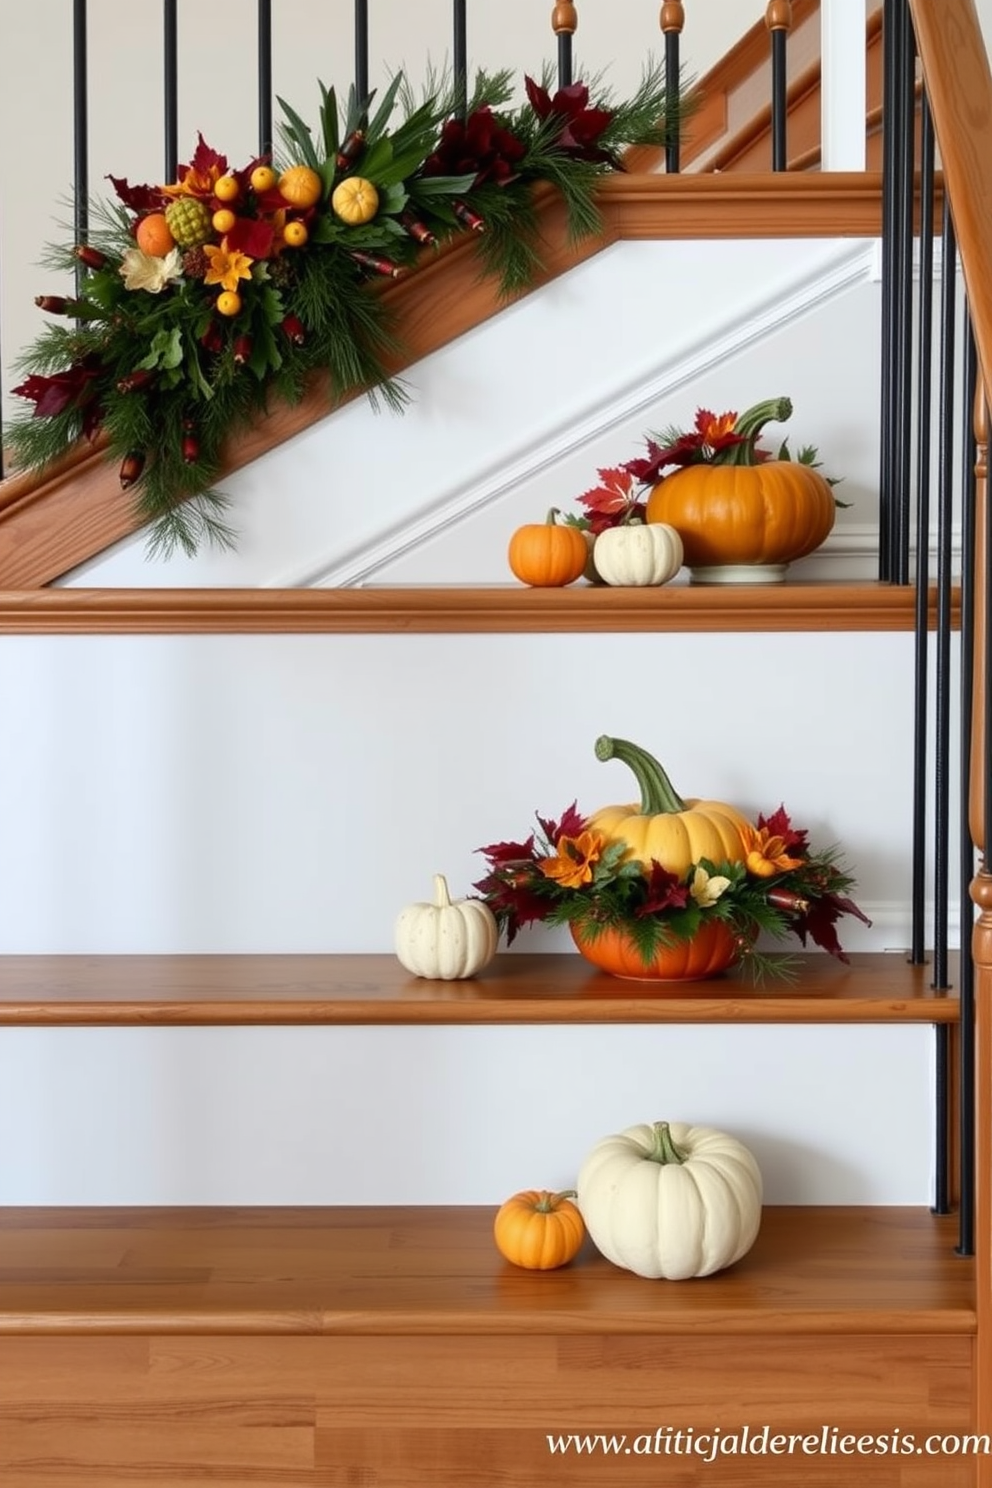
pixel 394 1347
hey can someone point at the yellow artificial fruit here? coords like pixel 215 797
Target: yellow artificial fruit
pixel 301 186
pixel 355 201
pixel 663 827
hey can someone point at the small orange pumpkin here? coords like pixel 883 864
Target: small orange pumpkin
pixel 546 555
pixel 539 1230
pixel 740 510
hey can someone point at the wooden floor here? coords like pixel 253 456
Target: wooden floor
pixel 395 1348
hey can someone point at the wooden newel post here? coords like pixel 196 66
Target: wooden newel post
pixel 778 19
pixel 981 942
pixel 564 22
pixel 671 20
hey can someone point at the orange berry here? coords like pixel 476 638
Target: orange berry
pixel 154 236
pixel 263 178
pixel 295 234
pixel 223 220
pixel 228 303
pixel 226 189
pixel 301 186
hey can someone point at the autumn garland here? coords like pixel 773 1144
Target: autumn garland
pixel 201 300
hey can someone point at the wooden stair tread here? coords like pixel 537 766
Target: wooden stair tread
pixel 435 1270
pixel 118 991
pixel 483 609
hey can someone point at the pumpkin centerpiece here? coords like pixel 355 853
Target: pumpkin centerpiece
pixel 743 516
pixel 671 1200
pixel 665 890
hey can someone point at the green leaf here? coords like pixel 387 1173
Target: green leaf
pixel 299 133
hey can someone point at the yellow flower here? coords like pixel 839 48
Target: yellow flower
pixel 226 268
pixel 145 271
pixel 572 867
pixel 706 888
pixel 766 854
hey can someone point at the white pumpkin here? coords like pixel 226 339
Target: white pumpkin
pixel 638 553
pixel 670 1199
pixel 446 940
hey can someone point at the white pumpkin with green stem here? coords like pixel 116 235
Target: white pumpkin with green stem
pixel 671 1200
pixel 447 940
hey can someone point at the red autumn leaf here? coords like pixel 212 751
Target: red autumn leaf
pixel 252 236
pixel 509 852
pixel 571 824
pixel 664 890
pixel 615 494
pixel 780 825
pixel 140 199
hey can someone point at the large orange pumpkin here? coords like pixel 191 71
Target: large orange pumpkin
pixel 663 827
pixel 741 510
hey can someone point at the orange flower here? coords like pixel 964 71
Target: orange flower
pixel 766 853
pixel 226 268
pixel 716 427
pixel 572 867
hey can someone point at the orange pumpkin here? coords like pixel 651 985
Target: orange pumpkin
pixel 770 513
pixel 711 950
pixel 546 555
pixel 739 510
pixel 539 1230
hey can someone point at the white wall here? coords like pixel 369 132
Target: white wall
pixel 291 793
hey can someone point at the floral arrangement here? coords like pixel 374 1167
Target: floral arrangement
pixel 201 299
pixel 714 439
pixel 582 872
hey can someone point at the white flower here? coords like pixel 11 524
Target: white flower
pixel 143 271
pixel 706 888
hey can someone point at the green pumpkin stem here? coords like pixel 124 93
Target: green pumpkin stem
pixel 658 795
pixel 548 1202
pixel 552 516
pixel 750 424
pixel 665 1150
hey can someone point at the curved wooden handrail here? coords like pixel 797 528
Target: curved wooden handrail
pixel 52 522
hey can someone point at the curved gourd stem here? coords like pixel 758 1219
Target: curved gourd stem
pixel 442 898
pixel 750 424
pixel 658 795
pixel 547 1202
pixel 664 1150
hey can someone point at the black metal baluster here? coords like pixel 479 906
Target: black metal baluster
pixel 902 502
pixel 778 19
pixel 672 21
pixel 170 55
pixel 459 49
pixel 265 77
pixel 80 130
pixel 966 1033
pixel 362 48
pixel 564 21
pixel 897 227
pixel 922 633
pixel 945 480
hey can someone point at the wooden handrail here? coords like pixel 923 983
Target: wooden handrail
pixel 51 522
pixel 958 82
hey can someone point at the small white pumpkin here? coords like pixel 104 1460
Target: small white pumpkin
pixel 638 554
pixel 446 940
pixel 670 1199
